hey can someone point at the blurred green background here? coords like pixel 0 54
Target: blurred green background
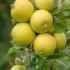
pixel 5 29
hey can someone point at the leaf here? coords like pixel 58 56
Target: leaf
pixel 66 13
pixel 67 23
pixel 39 63
pixel 66 4
pixel 56 55
pixel 4 46
pixel 66 61
pixel 42 63
pixel 12 51
pixel 68 34
pixel 59 27
pixel 59 65
pixel 18 61
pixel 66 51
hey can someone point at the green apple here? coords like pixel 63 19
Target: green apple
pixel 22 10
pixel 44 44
pixel 42 21
pixel 60 40
pixel 44 4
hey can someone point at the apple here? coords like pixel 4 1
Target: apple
pixel 17 67
pixel 22 10
pixel 61 40
pixel 23 34
pixel 42 21
pixel 44 4
pixel 44 44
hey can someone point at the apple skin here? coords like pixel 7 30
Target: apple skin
pixel 22 34
pixel 44 4
pixel 17 67
pixel 42 21
pixel 44 44
pixel 22 10
pixel 61 40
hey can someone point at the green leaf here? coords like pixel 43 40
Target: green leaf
pixel 59 65
pixel 67 23
pixel 18 61
pixel 4 46
pixel 66 51
pixel 56 55
pixel 66 4
pixel 66 13
pixel 59 27
pixel 68 34
pixel 55 11
pixel 66 61
pixel 12 51
pixel 42 63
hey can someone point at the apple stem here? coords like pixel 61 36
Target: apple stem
pixel 45 26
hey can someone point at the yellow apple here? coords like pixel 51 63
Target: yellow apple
pixel 17 67
pixel 23 34
pixel 60 40
pixel 44 4
pixel 42 21
pixel 22 10
pixel 44 44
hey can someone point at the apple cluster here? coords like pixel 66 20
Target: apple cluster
pixel 35 25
